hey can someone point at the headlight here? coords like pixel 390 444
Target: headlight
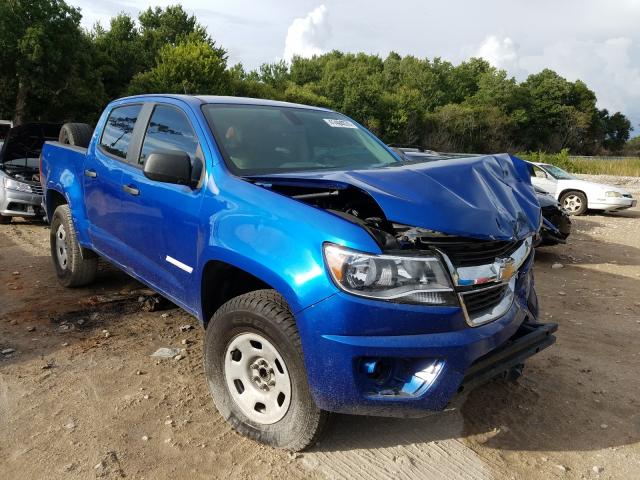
pixel 405 279
pixel 613 194
pixel 12 184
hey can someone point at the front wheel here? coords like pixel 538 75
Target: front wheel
pixel 255 371
pixel 72 269
pixel 575 203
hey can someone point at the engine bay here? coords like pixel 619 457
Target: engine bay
pixel 357 206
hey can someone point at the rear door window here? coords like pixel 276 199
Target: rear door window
pixel 119 130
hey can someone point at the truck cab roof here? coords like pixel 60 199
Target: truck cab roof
pixel 222 99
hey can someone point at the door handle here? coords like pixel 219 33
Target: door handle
pixel 131 190
pixel 90 173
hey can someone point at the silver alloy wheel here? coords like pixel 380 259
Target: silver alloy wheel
pixel 257 378
pixel 61 247
pixel 572 203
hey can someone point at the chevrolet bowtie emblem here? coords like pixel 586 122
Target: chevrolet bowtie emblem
pixel 505 268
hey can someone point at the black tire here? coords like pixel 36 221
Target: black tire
pixel 532 303
pixel 77 134
pixel 76 271
pixel 582 198
pixel 4 220
pixel 514 373
pixel 266 313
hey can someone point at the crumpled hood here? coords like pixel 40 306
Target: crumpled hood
pixel 486 197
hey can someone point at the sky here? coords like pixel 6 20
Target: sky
pixel 597 41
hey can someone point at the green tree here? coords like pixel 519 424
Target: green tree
pixel 617 132
pixel 275 75
pixel 469 128
pixel 119 56
pixel 560 114
pixel 170 26
pixel 632 147
pixel 191 67
pixel 41 53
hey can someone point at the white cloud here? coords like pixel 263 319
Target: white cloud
pixel 306 36
pixel 606 66
pixel 499 52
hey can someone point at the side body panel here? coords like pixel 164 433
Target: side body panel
pixel 61 172
pixel 163 220
pixel 274 238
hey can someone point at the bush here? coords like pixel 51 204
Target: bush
pixel 628 167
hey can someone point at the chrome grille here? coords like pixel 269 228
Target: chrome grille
pixel 467 253
pixel 36 188
pixel 482 299
pixel 485 304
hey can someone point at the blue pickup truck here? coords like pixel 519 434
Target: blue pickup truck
pixel 331 274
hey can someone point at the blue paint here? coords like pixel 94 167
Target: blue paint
pixel 279 240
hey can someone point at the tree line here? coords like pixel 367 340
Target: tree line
pixel 54 70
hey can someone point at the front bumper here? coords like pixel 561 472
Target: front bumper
pixel 342 331
pixel 613 204
pixel 20 204
pixel 530 339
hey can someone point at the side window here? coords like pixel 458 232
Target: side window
pixel 169 129
pixel 117 132
pixel 538 172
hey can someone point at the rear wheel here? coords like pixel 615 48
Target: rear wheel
pixel 575 203
pixel 72 268
pixel 78 134
pixel 255 371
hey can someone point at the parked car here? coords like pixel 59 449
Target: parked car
pixel 20 189
pixel 556 224
pixel 576 196
pixel 330 275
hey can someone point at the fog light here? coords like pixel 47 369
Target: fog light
pixel 424 378
pixel 398 377
pixel 376 370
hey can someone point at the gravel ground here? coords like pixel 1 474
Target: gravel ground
pixel 81 397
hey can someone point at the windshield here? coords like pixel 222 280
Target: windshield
pixel 558 173
pixel 260 139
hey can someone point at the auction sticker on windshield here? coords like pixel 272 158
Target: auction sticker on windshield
pixel 335 123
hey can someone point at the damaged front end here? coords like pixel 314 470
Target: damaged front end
pixel 20 189
pixel 419 264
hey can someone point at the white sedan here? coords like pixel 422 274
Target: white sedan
pixel 576 196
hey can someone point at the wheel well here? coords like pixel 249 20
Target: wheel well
pixel 569 190
pixel 222 282
pixel 54 200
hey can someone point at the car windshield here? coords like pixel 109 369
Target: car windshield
pixel 262 139
pixel 558 173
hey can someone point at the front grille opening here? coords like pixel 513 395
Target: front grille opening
pixel 469 252
pixel 478 302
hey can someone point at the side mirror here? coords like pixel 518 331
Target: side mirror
pixel 169 167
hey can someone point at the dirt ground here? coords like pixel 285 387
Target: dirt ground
pixel 81 397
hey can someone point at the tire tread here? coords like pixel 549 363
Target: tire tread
pixel 82 270
pixel 272 305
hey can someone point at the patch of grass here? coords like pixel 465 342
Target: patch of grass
pixel 628 167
